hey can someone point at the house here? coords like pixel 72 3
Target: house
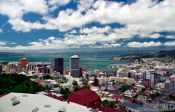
pixel 84 97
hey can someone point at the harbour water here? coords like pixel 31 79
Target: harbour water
pixel 90 60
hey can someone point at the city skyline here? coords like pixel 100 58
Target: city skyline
pixel 65 24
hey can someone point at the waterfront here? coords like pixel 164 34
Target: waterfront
pixel 90 60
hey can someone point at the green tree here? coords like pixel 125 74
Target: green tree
pixel 18 83
pixel 74 83
pixel 65 92
pixel 47 77
pixel 107 103
pixel 96 81
pixel 21 88
pixel 125 87
pixel 86 85
pixel 76 88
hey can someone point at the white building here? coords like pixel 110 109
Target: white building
pixel 22 102
pixel 74 66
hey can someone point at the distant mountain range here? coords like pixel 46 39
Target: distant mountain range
pixel 152 54
pixel 115 52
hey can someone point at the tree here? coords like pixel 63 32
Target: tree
pixel 76 88
pixel 86 85
pixel 133 84
pixel 125 87
pixel 96 81
pixel 18 83
pixel 153 96
pixel 74 83
pixel 21 88
pixel 47 77
pixel 107 103
pixel 65 92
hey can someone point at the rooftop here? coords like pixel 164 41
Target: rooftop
pixel 74 56
pixel 84 97
pixel 37 103
pixel 139 108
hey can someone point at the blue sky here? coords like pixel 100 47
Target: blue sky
pixel 64 24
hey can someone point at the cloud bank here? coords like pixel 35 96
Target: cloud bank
pixel 143 18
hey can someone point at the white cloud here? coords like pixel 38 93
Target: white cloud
pixel 16 8
pixel 77 42
pixel 141 16
pixel 58 2
pixel 84 5
pixel 144 44
pixel 53 4
pixel 150 35
pixel 2 43
pixel 111 45
pixel 20 25
pixel 95 29
pixel 105 45
pixel 71 41
pixel 1 31
pixel 170 43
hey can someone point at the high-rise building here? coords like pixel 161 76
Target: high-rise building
pixel 74 66
pixel 172 85
pixel 23 62
pixel 59 65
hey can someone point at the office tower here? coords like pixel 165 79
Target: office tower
pixel 172 85
pixel 74 66
pixel 59 65
pixel 23 62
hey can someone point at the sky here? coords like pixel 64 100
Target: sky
pixel 66 24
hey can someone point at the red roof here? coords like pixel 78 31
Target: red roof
pixel 84 97
pixel 118 98
pixel 147 83
pixel 55 97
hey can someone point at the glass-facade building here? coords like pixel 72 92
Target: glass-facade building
pixel 59 65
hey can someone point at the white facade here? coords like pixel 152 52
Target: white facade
pixel 74 66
